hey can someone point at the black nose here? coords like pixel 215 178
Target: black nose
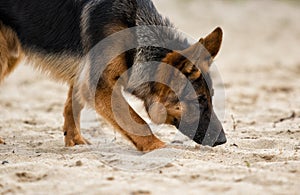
pixel 221 139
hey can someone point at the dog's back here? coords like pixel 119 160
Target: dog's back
pixel 60 26
pixel 48 26
pixel 56 34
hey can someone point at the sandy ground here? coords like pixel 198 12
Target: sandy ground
pixel 260 68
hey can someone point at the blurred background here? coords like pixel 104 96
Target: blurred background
pixel 256 32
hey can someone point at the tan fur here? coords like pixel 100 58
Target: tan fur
pixel 71 128
pixel 141 137
pixel 62 67
pixel 10 51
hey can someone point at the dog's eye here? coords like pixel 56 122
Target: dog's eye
pixel 202 98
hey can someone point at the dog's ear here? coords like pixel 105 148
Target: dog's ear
pixel 196 58
pixel 213 42
pixel 203 52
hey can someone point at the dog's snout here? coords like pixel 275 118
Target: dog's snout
pixel 221 139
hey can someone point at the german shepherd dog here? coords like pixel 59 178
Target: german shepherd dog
pixel 57 36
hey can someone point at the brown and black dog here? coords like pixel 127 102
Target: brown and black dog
pixel 58 36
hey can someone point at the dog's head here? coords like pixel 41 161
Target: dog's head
pixel 183 98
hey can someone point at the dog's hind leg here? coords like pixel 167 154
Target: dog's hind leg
pixel 10 51
pixel 71 128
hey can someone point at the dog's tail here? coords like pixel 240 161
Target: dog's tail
pixel 10 50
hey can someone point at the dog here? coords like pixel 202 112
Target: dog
pixel 57 37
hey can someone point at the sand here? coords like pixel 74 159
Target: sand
pixel 259 68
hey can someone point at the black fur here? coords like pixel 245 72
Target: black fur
pixel 56 26
pixel 110 11
pixel 48 26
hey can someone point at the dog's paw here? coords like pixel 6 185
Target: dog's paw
pixel 157 144
pixel 76 140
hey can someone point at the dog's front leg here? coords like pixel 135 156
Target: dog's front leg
pixel 71 128
pixel 112 106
